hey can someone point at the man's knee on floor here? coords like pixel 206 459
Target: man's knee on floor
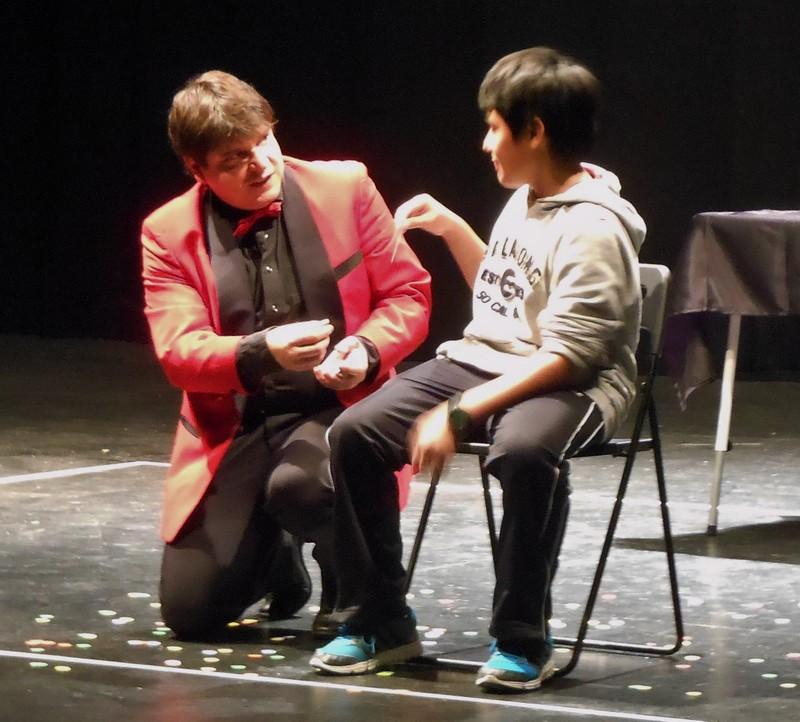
pixel 192 616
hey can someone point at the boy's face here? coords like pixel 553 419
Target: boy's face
pixel 246 173
pixel 513 160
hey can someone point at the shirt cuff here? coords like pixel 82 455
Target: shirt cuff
pixel 373 359
pixel 254 361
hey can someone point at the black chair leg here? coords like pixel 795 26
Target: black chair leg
pixel 423 523
pixel 668 545
pixel 487 501
pixel 425 514
pixel 580 642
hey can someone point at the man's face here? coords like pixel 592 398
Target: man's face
pixel 246 173
pixel 512 159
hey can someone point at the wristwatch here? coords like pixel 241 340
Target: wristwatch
pixel 459 420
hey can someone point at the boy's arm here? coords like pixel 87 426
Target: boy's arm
pixel 425 212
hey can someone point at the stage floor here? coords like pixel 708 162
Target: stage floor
pixel 85 428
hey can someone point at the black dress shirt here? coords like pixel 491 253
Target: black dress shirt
pixel 258 288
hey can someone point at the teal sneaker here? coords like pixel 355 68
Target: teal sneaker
pixel 346 654
pixel 355 651
pixel 506 671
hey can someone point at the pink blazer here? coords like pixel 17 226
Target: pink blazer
pixel 348 271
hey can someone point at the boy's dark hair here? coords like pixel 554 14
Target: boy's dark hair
pixel 558 89
pixel 214 108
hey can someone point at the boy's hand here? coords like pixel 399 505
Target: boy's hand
pixel 430 441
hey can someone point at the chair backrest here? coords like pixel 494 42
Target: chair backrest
pixel 655 284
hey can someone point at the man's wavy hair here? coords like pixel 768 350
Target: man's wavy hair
pixel 212 109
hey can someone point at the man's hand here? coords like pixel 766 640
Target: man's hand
pixel 299 346
pixel 430 441
pixel 345 367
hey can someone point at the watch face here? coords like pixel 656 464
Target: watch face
pixel 459 422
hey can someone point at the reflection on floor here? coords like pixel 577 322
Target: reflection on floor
pixel 82 637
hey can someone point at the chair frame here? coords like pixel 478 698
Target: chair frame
pixel 654 286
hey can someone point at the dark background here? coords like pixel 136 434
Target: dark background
pixel 701 113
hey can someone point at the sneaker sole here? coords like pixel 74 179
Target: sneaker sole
pixel 389 656
pixel 490 681
pixel 368 665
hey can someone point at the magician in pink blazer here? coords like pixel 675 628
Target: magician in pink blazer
pixel 277 292
pixel 352 269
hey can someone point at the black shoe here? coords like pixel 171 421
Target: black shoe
pixel 326 623
pixel 290 582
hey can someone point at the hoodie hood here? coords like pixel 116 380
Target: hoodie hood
pixel 602 188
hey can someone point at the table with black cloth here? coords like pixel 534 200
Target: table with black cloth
pixel 733 264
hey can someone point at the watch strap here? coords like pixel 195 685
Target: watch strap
pixel 458 420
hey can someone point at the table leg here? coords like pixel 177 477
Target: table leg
pixel 724 418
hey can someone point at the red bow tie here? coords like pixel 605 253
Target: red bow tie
pixel 273 210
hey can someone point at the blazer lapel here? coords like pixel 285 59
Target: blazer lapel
pixel 313 268
pixel 236 312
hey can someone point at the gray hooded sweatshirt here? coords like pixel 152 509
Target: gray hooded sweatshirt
pixel 562 276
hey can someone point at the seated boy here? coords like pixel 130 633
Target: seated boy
pixel 545 367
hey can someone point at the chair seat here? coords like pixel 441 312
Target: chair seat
pixel 615 447
pixel 612 447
